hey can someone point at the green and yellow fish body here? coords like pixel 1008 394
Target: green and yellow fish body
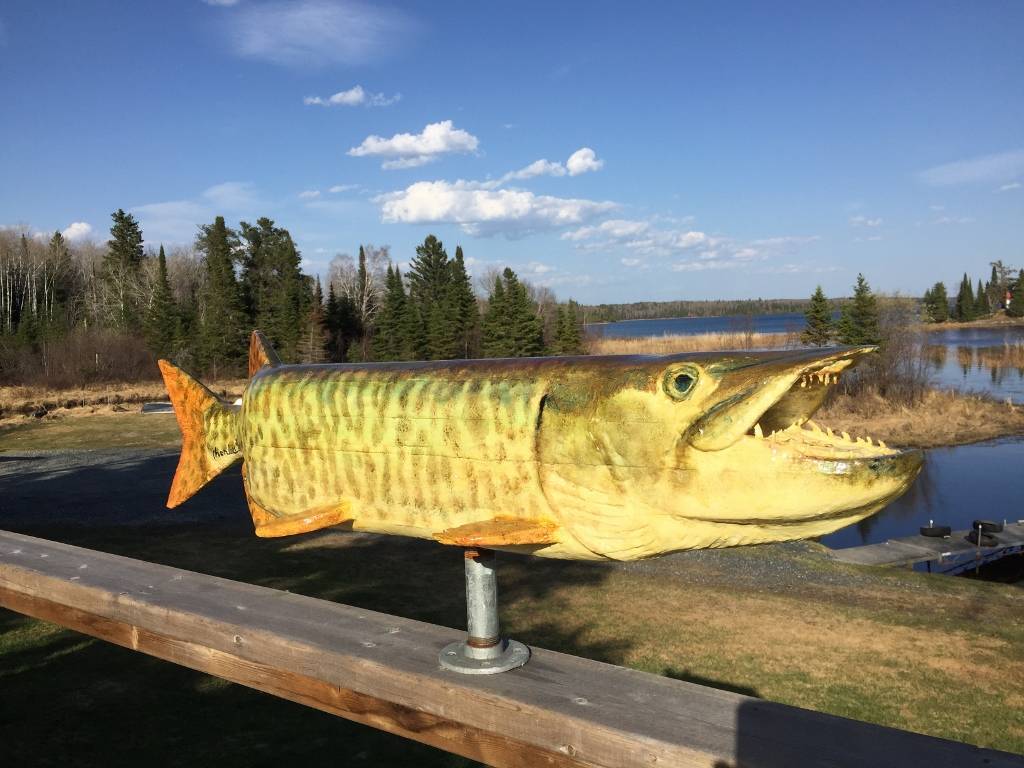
pixel 583 457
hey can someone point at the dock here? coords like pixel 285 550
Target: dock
pixel 951 554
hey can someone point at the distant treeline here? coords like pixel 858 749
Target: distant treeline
pixel 74 313
pixel 657 310
pixel 1003 290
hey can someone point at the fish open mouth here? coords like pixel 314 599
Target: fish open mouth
pixel 811 441
pixel 787 424
pixel 772 399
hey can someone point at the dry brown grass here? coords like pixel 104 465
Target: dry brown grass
pixel 940 418
pixel 19 401
pixel 813 651
pixel 1006 356
pixel 698 342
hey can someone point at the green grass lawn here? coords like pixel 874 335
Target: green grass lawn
pixel 103 430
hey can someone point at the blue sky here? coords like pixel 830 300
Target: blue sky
pixel 691 150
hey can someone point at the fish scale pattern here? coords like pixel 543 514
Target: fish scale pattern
pixel 402 452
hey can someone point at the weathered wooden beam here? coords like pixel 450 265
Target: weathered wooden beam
pixel 382 670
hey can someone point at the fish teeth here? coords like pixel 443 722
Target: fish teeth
pixel 881 444
pixel 846 436
pixel 814 426
pixel 758 432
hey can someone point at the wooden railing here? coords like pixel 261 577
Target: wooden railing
pixel 383 671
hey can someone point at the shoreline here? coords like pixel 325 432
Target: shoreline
pixel 943 419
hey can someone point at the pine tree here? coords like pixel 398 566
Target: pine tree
pixel 224 325
pixel 568 337
pixel 429 279
pixel 996 290
pixel 964 309
pixel 463 307
pixel 1016 305
pixel 124 249
pixel 936 304
pixel 525 327
pixel 121 268
pixel 858 323
pixel 389 338
pixel 496 337
pixel 312 344
pixel 160 324
pixel 342 325
pixel 61 297
pixel 275 290
pixel 819 328
pixel 981 307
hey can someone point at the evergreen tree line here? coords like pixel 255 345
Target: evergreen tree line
pixel 972 304
pixel 656 310
pixel 198 305
pixel 858 321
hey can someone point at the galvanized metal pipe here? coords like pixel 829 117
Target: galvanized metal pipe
pixel 484 640
pixel 484 651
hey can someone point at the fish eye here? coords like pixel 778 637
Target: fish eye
pixel 680 383
pixel 683 383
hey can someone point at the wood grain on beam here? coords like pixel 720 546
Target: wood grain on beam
pixel 382 670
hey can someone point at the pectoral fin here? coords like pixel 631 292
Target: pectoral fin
pixel 499 532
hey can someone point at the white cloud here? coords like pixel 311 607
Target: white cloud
pixel 414 149
pixel 339 188
pixel 316 32
pixel 695 250
pixel 309 194
pixel 536 168
pixel 177 221
pixel 1001 167
pixel 353 97
pixel 583 160
pixel 483 211
pixel 865 221
pixel 407 162
pixel 77 230
pixel 953 220
pixel 1008 187
pixel 614 228
pixel 231 195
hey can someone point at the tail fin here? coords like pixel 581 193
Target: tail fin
pixel 261 354
pixel 209 433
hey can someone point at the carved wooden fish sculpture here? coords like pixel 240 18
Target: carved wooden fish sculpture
pixel 620 457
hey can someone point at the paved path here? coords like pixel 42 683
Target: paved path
pixel 108 487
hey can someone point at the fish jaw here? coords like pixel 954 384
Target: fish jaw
pixel 775 391
pixel 783 488
pixel 757 469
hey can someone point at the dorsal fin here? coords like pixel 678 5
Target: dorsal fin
pixel 261 354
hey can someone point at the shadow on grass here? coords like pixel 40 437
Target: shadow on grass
pixel 70 700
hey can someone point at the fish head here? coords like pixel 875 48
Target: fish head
pixel 710 450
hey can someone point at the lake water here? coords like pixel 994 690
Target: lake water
pixel 672 326
pixel 957 485
pixel 968 359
